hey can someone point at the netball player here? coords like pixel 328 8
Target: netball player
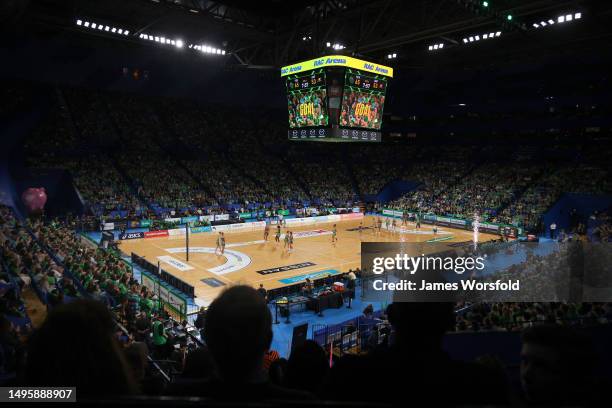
pixel 266 231
pixel 278 233
pixel 334 234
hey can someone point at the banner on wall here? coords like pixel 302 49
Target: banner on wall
pixel 197 230
pixel 156 234
pixel 145 223
pixel 132 235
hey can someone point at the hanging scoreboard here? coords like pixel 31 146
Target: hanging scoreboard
pixel 336 98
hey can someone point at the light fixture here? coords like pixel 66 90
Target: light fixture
pixel 79 22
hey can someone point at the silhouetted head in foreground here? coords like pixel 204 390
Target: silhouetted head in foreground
pixel 422 323
pixel 556 365
pixel 238 331
pixel 76 347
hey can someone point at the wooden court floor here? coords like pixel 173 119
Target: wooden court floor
pixel 251 260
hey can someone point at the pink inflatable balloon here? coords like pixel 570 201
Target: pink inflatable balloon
pixel 34 199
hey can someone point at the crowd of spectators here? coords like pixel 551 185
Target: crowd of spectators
pixel 131 155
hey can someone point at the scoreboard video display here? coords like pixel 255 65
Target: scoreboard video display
pixel 306 98
pixel 336 99
pixel 363 100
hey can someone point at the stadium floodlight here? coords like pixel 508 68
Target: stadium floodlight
pixel 126 32
pixel 394 55
pixel 509 17
pixel 497 34
pixel 328 44
pixel 569 17
pixel 561 19
pixel 551 21
pixel 120 31
pixel 156 39
pixel 465 40
pixel 179 43
pixel 93 25
pixel 535 25
pixel 491 35
pixel 430 48
pixel 477 37
pixel 79 22
pixel 485 36
pixel 190 45
pixel 577 16
pixel 485 4
pixel 222 52
pixel 100 27
pixel 113 30
pixel 471 39
pixel 106 28
pixel 86 24
pixel 440 46
pixel 435 47
pixel 543 23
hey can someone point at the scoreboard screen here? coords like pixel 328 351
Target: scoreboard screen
pixel 336 98
pixel 307 99
pixel 363 100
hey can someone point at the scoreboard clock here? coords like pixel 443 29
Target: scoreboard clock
pixel 336 98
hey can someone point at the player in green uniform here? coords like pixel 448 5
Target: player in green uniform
pixel 334 234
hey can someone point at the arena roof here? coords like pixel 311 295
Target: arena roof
pixel 408 34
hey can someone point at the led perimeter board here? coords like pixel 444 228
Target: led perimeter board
pixel 336 99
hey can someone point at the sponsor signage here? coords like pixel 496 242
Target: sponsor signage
pixel 145 223
pixel 196 230
pixel 186 220
pixel 285 268
pixel 132 235
pixel 337 61
pixel 176 231
pixel 313 275
pixel 156 234
pixel 351 216
pixel 213 282
pixel 175 263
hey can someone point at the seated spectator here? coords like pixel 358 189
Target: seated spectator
pixel 308 368
pixel 557 367
pixel 238 332
pixel 76 346
pixel 414 367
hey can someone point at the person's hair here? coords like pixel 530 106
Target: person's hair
pixel 308 367
pixel 238 330
pixel 76 347
pixel 426 322
pixel 199 364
